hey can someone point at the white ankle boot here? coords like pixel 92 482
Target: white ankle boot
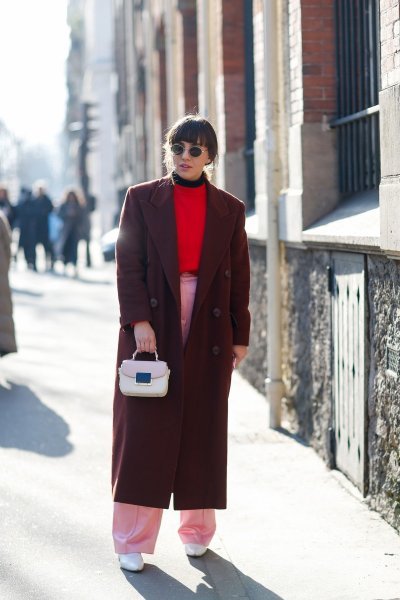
pixel 195 549
pixel 131 562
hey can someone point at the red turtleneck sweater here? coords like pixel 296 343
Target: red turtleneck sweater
pixel 190 214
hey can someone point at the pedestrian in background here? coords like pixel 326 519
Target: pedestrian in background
pixel 28 215
pixel 7 332
pixel 44 207
pixel 6 207
pixel 183 284
pixel 86 228
pixel 72 213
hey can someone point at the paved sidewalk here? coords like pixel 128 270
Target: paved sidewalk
pixel 291 532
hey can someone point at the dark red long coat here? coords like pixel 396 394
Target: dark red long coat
pixel 178 444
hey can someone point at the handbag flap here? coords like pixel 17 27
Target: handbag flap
pixel 157 368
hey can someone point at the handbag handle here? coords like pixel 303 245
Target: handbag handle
pixel 137 352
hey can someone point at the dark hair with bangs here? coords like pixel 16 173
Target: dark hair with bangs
pixel 195 130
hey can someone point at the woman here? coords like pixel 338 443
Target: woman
pixel 27 218
pixel 44 208
pixel 71 212
pixel 7 333
pixel 183 286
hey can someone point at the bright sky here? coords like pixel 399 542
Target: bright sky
pixel 34 43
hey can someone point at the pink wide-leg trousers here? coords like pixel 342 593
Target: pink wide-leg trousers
pixel 135 528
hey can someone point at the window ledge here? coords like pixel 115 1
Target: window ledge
pixel 355 222
pixel 253 229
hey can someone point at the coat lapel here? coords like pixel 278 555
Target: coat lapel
pixel 218 231
pixel 159 215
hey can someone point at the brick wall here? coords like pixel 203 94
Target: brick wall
pixel 319 72
pixel 233 71
pixel 312 60
pixel 161 56
pixel 190 67
pixel 390 42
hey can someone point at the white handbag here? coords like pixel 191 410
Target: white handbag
pixel 143 377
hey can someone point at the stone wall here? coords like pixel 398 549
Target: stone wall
pixel 384 288
pixel 307 373
pixel 384 389
pixel 254 368
pixel 307 370
pixel 306 327
pixel 307 360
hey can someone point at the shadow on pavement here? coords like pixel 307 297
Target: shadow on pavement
pixel 94 280
pixel 26 292
pixel 28 424
pixel 293 436
pixel 221 580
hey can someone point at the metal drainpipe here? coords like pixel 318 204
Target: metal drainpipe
pixel 149 74
pixel 170 62
pixel 273 382
pixel 204 83
pixel 130 17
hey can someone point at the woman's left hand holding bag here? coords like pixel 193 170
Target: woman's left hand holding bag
pixel 145 337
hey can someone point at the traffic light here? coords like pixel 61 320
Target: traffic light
pixel 87 132
pixel 88 118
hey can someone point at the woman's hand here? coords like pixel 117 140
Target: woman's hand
pixel 145 337
pixel 239 352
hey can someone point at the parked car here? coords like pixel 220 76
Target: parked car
pixel 107 243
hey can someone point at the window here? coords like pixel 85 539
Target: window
pixel 357 120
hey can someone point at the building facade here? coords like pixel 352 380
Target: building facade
pixel 91 109
pixel 304 96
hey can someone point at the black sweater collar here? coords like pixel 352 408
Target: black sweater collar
pixel 177 179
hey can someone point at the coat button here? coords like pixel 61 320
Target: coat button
pixel 216 312
pixel 216 350
pixel 153 302
pixel 227 273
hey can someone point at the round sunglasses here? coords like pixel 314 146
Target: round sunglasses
pixel 194 151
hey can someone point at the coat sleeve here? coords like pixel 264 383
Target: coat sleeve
pixel 240 282
pixel 131 261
